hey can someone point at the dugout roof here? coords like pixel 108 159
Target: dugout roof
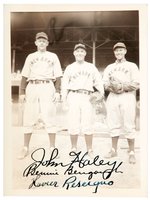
pixel 99 30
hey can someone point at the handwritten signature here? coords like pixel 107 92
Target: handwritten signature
pixel 78 165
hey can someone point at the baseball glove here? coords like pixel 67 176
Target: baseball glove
pixel 130 86
pixel 96 98
pixel 116 85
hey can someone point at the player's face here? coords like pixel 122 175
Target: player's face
pixel 41 44
pixel 120 53
pixel 79 54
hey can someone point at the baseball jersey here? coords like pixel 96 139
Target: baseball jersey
pixel 125 71
pixel 81 76
pixel 42 66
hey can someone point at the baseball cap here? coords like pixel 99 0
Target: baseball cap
pixel 119 44
pixel 41 35
pixel 82 46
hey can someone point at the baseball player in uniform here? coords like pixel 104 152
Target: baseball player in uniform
pixel 40 87
pixel 77 85
pixel 121 79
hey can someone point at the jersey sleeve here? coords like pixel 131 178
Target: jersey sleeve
pixel 57 84
pixel 106 76
pixel 26 68
pixel 23 85
pixel 135 82
pixel 57 67
pixel 65 83
pixel 135 74
pixel 97 81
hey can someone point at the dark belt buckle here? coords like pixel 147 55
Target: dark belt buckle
pixel 41 81
pixel 38 82
pixel 84 92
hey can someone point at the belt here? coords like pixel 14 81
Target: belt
pixel 81 91
pixel 39 81
pixel 120 92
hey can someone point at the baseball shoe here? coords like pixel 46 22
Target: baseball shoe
pixel 111 154
pixel 74 149
pixel 51 150
pixel 132 159
pixel 90 153
pixel 128 151
pixel 24 152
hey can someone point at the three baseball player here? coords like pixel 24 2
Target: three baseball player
pixel 40 87
pixel 121 79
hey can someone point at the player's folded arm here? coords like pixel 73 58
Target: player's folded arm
pixel 23 85
pixel 130 86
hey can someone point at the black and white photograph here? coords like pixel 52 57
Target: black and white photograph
pixel 75 82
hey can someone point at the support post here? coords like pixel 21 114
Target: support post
pixel 94 52
pixel 13 60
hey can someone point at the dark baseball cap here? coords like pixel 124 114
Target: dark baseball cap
pixel 82 46
pixel 41 35
pixel 119 45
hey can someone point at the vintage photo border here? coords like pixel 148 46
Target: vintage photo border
pixel 143 24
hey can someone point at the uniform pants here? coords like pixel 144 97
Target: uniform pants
pixel 121 112
pixel 80 114
pixel 40 103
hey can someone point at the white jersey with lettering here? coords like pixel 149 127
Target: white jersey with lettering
pixel 124 71
pixel 42 66
pixel 121 107
pixel 82 76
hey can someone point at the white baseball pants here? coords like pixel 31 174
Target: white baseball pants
pixel 40 102
pixel 121 112
pixel 80 114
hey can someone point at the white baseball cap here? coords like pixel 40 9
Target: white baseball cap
pixel 119 45
pixel 41 35
pixel 82 46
